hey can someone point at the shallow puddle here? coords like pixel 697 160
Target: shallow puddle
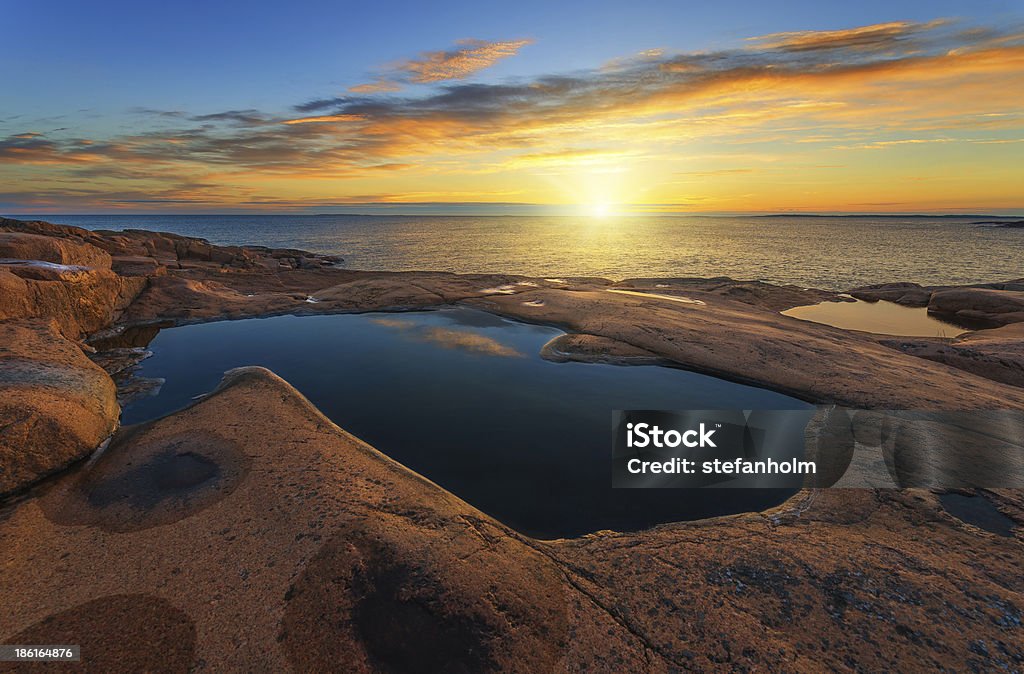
pixel 979 511
pixel 881 317
pixel 462 397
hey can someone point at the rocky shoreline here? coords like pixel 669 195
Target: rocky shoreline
pixel 254 534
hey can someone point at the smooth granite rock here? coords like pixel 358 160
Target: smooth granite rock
pixel 998 306
pixel 264 538
pixel 51 249
pixel 249 533
pixel 81 300
pixel 996 354
pixel 56 406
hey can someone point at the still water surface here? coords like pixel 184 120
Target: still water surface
pixel 881 317
pixel 462 397
pixel 835 253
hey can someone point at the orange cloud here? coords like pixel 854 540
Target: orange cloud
pixel 324 118
pixel 457 64
pixel 380 86
pixel 862 37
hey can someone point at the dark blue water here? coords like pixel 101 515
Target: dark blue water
pixel 822 252
pixel 979 511
pixel 462 397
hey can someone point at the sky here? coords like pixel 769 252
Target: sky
pixel 569 107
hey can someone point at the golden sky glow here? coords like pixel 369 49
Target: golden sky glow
pixel 891 117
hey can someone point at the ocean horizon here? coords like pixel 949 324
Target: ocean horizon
pixel 832 252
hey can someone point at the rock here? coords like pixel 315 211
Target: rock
pixel 997 306
pixel 122 364
pixel 47 229
pixel 279 542
pixel 737 341
pixel 907 294
pixel 736 332
pixel 361 542
pixel 996 354
pixel 117 361
pixel 289 253
pixel 309 263
pixel 136 336
pixel 594 349
pixel 871 428
pixel 757 293
pixel 1013 224
pixel 46 271
pixel 137 265
pixel 80 300
pixel 132 388
pixel 50 249
pixel 121 633
pixel 914 295
pixel 276 541
pixel 56 406
pixel 188 300
pixel 170 249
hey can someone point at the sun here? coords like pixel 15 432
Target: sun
pixel 600 209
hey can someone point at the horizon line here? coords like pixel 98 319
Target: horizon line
pixel 721 214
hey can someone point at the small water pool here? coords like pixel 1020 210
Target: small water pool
pixel 881 317
pixel 979 511
pixel 462 397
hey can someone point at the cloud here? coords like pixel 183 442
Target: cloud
pixel 321 119
pixel 239 117
pixel 448 338
pixel 863 38
pixel 890 85
pixel 379 86
pixel 466 59
pixel 470 57
pixel 154 112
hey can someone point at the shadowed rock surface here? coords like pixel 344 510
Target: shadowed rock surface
pixel 996 354
pixel 116 633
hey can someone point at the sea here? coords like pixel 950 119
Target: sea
pixel 828 252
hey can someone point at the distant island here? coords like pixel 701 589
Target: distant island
pixel 942 216
pixel 1015 224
